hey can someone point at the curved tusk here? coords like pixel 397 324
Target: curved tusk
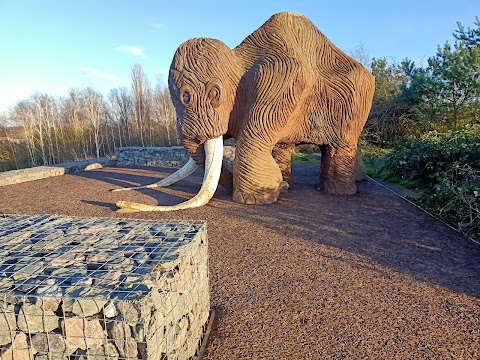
pixel 178 175
pixel 213 167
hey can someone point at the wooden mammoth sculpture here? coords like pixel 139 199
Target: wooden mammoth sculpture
pixel 285 84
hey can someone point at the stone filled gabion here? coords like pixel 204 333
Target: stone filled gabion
pixel 173 156
pixel 73 288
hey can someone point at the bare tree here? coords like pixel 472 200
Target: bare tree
pixel 45 113
pixel 22 115
pixel 95 110
pixel 9 152
pixel 142 97
pixel 360 53
pixel 121 111
pixel 84 124
pixel 164 111
pixel 74 120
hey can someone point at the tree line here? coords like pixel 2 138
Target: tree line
pixel 47 130
pixel 442 96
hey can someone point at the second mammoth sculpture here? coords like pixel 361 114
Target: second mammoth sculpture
pixel 285 84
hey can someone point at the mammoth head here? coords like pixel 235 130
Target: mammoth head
pixel 202 81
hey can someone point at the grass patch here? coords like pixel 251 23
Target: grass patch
pixel 387 175
pixel 305 158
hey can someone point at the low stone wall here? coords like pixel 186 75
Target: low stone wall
pixel 42 172
pixel 162 156
pixel 151 156
pixel 101 288
pixel 174 156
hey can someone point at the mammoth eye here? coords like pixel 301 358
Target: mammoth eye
pixel 214 94
pixel 185 97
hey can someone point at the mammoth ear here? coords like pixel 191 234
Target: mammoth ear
pixel 214 91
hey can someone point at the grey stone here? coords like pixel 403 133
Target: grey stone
pixel 48 303
pixel 24 271
pixel 133 279
pixel 107 278
pixel 151 280
pixel 110 310
pixel 100 258
pixel 28 285
pixel 67 259
pixel 126 345
pixel 8 324
pixel 79 279
pixel 67 304
pixel 181 332
pixel 50 290
pixel 52 356
pixel 34 319
pixel 6 284
pixel 143 269
pixel 104 352
pixel 88 307
pixel 130 312
pixel 41 357
pixel 52 242
pixel 131 250
pixel 124 265
pixel 72 271
pixel 167 263
pixel 138 331
pixel 91 240
pixel 18 350
pixel 49 343
pixel 17 238
pixel 107 243
pixel 141 257
pixel 82 291
pixel 83 334
pixel 16 299
pixel 79 355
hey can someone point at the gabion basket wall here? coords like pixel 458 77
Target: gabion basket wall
pixel 73 288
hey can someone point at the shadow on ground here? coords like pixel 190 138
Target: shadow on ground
pixel 375 224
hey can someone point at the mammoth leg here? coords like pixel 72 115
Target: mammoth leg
pixel 277 87
pixel 282 153
pixel 257 179
pixel 337 173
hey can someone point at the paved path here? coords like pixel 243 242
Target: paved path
pixel 312 276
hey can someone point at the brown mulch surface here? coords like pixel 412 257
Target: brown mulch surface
pixel 312 276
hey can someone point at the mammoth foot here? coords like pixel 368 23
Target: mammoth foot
pixel 337 188
pixel 258 198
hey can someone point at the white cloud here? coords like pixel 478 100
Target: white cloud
pixel 133 50
pixel 100 74
pixel 158 26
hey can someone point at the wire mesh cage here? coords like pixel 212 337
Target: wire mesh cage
pixel 76 288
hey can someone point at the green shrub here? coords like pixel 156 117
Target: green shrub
pixel 456 199
pixel 369 150
pixel 426 159
pixel 448 167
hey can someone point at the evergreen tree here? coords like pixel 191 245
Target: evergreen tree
pixel 457 74
pixel 471 37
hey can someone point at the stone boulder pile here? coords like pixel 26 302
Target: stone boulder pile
pixel 73 288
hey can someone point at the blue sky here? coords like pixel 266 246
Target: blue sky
pixel 50 46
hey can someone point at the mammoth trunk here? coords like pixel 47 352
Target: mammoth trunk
pixel 213 165
pixel 196 151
